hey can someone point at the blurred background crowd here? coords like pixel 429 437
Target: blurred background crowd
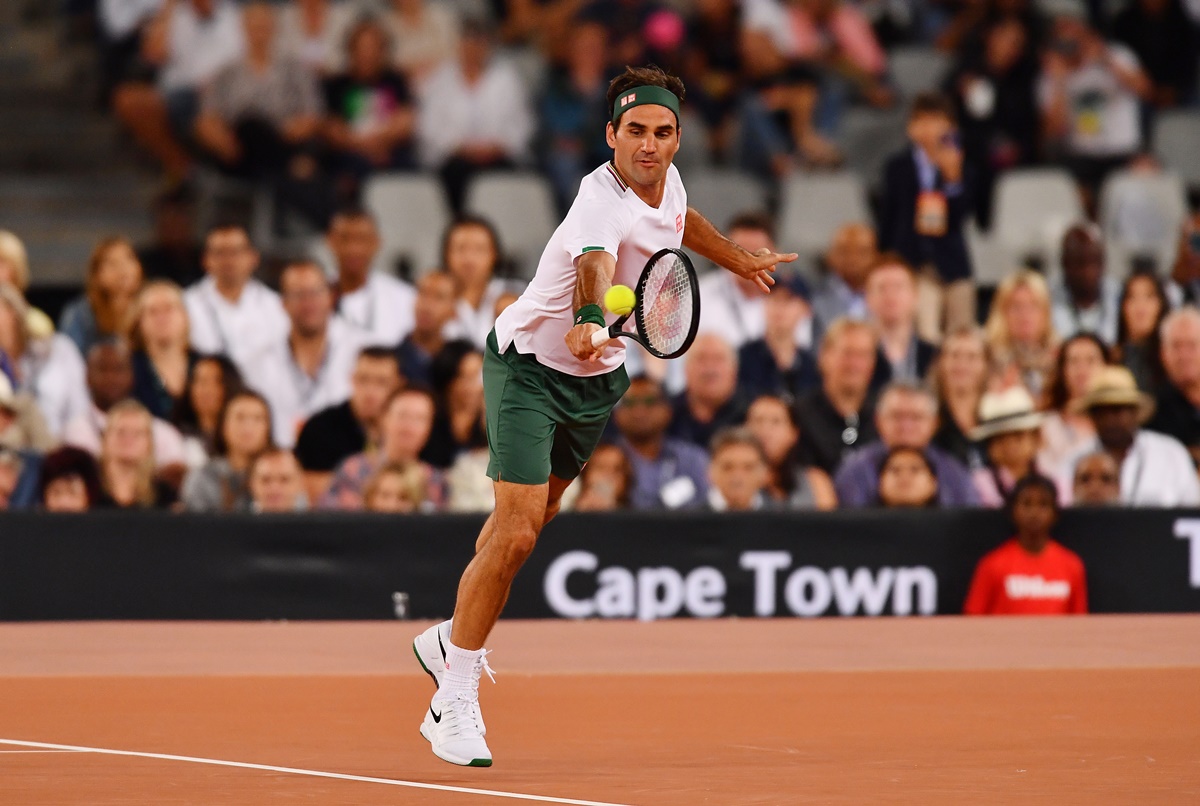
pixel 995 203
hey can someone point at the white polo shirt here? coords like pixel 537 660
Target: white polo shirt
pixel 606 215
pixel 383 309
pixel 239 329
pixel 53 372
pixel 1157 472
pixel 293 394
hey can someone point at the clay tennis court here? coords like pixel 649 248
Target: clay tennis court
pixel 947 710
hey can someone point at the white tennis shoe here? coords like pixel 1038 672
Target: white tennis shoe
pixel 454 724
pixel 430 649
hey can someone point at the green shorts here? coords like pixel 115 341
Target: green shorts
pixel 541 421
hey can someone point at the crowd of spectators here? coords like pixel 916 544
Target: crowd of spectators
pixel 191 375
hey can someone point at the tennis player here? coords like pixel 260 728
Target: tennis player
pixel 548 392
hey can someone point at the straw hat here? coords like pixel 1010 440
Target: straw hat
pixel 6 393
pixel 1006 412
pixel 1115 386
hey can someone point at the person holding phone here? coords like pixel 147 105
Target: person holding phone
pixel 927 196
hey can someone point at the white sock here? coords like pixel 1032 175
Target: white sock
pixel 460 669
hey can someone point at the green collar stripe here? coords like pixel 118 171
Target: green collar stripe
pixel 593 249
pixel 644 95
pixel 612 169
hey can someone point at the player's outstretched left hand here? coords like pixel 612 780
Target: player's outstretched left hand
pixel 760 265
pixel 579 342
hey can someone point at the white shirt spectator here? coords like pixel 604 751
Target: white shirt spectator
pixel 324 51
pixel 416 47
pixel 725 310
pixel 1104 114
pixel 120 18
pixel 474 324
pixel 383 309
pixel 1157 472
pixel 1101 319
pixel 199 47
pixel 453 114
pixel 86 432
pixel 240 330
pixel 53 372
pixel 292 394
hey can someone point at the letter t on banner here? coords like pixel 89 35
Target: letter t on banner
pixel 765 564
pixel 1189 529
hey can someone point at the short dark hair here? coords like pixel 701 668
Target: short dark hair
pixel 931 103
pixel 354 212
pixel 649 76
pixel 66 462
pixel 377 352
pixel 757 220
pixel 1056 395
pixel 1033 481
pixel 737 435
pixel 892 259
pixel 300 264
pixel 226 225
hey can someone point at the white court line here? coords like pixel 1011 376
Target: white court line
pixel 312 773
pixel 14 752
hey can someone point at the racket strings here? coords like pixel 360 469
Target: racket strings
pixel 667 305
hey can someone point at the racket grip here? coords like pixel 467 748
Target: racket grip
pixel 601 337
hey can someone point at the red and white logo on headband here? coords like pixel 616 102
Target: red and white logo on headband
pixel 628 99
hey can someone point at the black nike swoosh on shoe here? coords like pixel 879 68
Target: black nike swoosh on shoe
pixel 436 717
pixel 441 646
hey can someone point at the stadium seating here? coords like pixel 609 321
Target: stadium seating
pixel 521 206
pixel 1033 207
pixel 1141 215
pixel 814 205
pixel 1177 143
pixel 720 194
pixel 412 214
pixel 917 69
pixel 867 137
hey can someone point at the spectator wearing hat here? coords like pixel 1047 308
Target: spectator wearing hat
pixel 737 308
pixel 891 295
pixel 1085 300
pixel 1031 574
pixel 1097 480
pixel 1156 470
pixel 1010 431
pixel 68 481
pixel 1177 409
pixel 22 426
pixel 906 417
pixel 775 364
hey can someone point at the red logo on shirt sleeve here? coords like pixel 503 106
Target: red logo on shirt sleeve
pixel 679 223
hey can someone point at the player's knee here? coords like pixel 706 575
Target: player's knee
pixel 517 545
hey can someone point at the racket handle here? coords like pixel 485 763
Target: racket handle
pixel 601 337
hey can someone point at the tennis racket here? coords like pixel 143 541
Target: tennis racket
pixel 667 312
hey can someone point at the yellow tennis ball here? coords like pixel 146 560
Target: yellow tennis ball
pixel 620 299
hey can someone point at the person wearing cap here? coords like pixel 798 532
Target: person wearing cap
pixel 1084 299
pixel 22 426
pixel 775 364
pixel 891 295
pixel 735 307
pixel 1010 431
pixel 1156 470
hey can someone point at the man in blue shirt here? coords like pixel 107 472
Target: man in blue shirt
pixel 667 473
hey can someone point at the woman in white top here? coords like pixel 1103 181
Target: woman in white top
pixel 49 368
pixel 471 253
pixel 423 35
pixel 1065 431
pixel 314 31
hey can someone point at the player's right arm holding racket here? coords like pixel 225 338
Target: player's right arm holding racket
pixel 596 270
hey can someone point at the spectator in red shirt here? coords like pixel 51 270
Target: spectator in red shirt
pixel 1031 574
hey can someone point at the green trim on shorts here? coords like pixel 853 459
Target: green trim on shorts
pixel 542 422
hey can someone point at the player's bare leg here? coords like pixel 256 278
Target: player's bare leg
pixel 454 724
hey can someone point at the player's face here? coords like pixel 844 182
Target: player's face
pixel 644 143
